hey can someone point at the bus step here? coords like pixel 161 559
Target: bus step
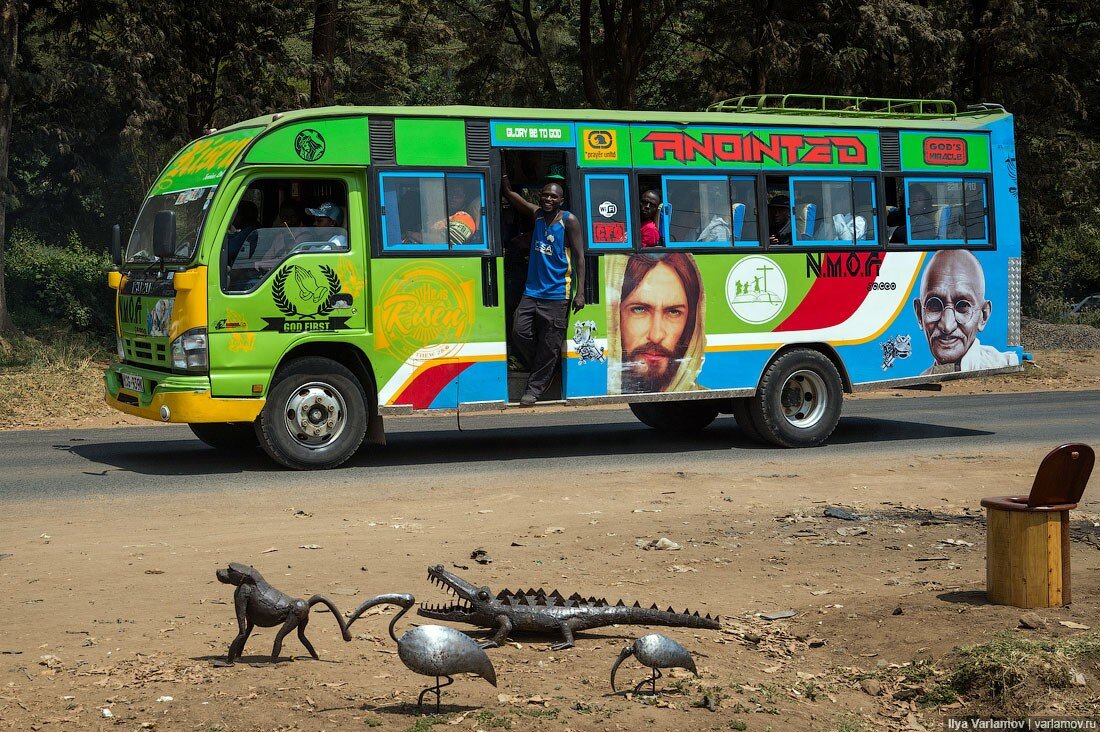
pixel 540 403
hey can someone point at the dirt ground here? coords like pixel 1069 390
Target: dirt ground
pixel 114 617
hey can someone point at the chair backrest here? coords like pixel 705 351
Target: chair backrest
pixel 804 215
pixel 943 219
pixel 1062 475
pixel 738 220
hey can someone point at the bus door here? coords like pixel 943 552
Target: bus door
pixel 290 267
pixel 438 322
pixel 529 168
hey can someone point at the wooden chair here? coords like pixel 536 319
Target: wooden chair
pixel 1027 537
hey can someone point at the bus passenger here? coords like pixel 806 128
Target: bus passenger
pixel 651 210
pixel 555 273
pixel 779 220
pixel 327 216
pixel 922 216
pixel 245 222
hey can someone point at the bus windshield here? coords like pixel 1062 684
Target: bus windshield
pixel 190 207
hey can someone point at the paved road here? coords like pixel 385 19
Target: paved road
pixel 167 458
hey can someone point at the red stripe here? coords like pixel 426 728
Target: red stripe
pixel 426 387
pixel 832 300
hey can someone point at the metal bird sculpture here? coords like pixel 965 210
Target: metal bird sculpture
pixel 657 652
pixel 432 650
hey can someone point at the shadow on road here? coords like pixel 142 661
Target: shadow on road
pixel 497 443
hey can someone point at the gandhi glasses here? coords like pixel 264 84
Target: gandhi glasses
pixel 934 309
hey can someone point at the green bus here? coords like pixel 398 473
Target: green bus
pixel 291 279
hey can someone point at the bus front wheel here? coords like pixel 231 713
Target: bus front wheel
pixel 677 417
pixel 799 399
pixel 226 436
pixel 315 416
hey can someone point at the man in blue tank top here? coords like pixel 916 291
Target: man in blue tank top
pixel 555 278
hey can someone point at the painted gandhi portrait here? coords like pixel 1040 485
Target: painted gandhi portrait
pixel 656 311
pixel 952 310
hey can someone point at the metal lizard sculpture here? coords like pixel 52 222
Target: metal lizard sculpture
pixel 258 603
pixel 535 611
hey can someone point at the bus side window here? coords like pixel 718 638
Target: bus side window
pixel 836 210
pixel 947 210
pixel 433 211
pixel 609 214
pixel 702 212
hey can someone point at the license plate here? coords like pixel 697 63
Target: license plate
pixel 133 383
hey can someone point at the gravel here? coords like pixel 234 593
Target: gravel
pixel 1041 336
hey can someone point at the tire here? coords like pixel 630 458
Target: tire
pixel 227 436
pixel 742 413
pixel 322 395
pixel 799 400
pixel 677 417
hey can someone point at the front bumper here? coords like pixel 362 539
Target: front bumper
pixel 174 398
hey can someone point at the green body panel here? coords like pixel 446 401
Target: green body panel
pixel 249 332
pixel 745 148
pixel 435 305
pixel 435 142
pixel 204 161
pixel 333 141
pixel 604 146
pixel 947 152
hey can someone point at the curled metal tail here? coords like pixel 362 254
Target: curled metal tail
pixel 321 599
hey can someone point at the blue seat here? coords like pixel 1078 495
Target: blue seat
pixel 738 220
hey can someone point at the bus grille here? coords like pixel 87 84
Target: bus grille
pixel 141 350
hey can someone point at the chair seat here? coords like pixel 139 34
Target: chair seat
pixel 1019 503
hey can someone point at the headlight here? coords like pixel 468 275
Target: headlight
pixel 119 348
pixel 190 351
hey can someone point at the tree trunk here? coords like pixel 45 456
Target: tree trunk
pixel 588 59
pixel 9 44
pixel 322 81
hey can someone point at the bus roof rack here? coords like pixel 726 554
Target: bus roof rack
pixel 818 104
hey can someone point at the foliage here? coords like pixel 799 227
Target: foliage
pixel 52 286
pixel 134 81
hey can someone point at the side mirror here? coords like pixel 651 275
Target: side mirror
pixel 164 235
pixel 116 245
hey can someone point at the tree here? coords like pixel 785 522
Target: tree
pixel 322 81
pixel 9 49
pixel 621 50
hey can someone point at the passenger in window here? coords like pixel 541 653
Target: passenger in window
pixel 922 215
pixel 245 222
pixel 779 220
pixel 651 211
pixel 327 216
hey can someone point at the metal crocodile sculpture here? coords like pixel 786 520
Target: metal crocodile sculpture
pixel 536 611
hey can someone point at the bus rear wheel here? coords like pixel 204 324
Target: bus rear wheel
pixel 799 400
pixel 315 416
pixel 677 417
pixel 227 435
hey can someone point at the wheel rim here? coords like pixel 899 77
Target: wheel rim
pixel 804 399
pixel 315 415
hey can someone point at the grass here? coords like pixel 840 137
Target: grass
pixel 1011 668
pixel 53 379
pixel 53 351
